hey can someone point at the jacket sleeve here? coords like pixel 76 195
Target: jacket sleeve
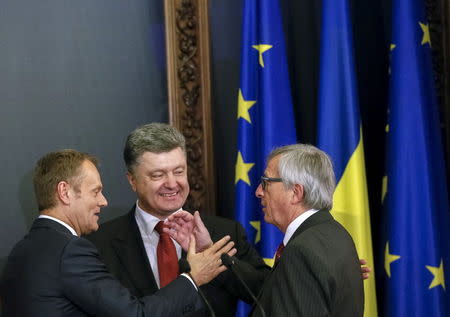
pixel 87 283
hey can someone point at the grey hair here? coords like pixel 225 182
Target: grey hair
pixel 306 165
pixel 152 137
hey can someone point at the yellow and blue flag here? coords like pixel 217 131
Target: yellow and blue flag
pixel 417 227
pixel 265 116
pixel 340 133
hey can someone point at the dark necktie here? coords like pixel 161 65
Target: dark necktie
pixel 167 257
pixel 279 252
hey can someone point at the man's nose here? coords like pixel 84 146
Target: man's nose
pixel 171 180
pixel 103 201
pixel 259 191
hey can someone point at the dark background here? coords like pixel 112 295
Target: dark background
pixel 83 74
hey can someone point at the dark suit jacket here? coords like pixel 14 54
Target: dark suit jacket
pixel 318 274
pixel 54 273
pixel 122 250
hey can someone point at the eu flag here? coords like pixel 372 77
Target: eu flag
pixel 265 115
pixel 340 134
pixel 416 248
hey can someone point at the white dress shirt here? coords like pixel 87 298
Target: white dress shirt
pixel 147 223
pixel 293 226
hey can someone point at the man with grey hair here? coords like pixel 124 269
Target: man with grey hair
pixel 155 156
pixel 316 270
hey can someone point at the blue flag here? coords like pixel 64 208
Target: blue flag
pixel 340 134
pixel 417 245
pixel 265 116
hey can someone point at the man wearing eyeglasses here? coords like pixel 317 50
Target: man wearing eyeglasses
pixel 316 270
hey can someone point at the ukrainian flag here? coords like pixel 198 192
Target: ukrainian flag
pixel 340 134
pixel 417 226
pixel 265 116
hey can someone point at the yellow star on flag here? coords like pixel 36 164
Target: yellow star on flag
pixel 269 262
pixel 388 259
pixel 438 273
pixel 426 34
pixel 242 170
pixel 257 226
pixel 243 107
pixel 261 48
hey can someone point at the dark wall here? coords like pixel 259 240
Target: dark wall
pixel 225 29
pixel 74 74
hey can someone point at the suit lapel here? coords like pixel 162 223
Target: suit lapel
pixel 130 250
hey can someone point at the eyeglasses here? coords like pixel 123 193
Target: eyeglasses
pixel 266 180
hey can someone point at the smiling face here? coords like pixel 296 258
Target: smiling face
pixel 160 182
pixel 86 200
pixel 275 198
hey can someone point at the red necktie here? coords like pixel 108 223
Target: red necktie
pixel 279 252
pixel 167 257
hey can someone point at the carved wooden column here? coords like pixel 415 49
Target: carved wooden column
pixel 189 92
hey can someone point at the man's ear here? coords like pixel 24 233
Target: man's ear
pixel 132 181
pixel 62 192
pixel 298 194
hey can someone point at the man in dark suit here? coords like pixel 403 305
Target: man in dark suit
pixel 155 156
pixel 316 270
pixel 55 272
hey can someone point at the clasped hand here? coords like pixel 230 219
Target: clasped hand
pixel 182 224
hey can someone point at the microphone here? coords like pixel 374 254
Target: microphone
pixel 228 261
pixel 185 267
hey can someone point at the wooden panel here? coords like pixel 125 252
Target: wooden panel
pixel 189 92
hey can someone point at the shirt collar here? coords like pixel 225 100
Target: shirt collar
pixel 72 231
pixel 146 221
pixel 293 226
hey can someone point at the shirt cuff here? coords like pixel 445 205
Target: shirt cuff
pixel 190 279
